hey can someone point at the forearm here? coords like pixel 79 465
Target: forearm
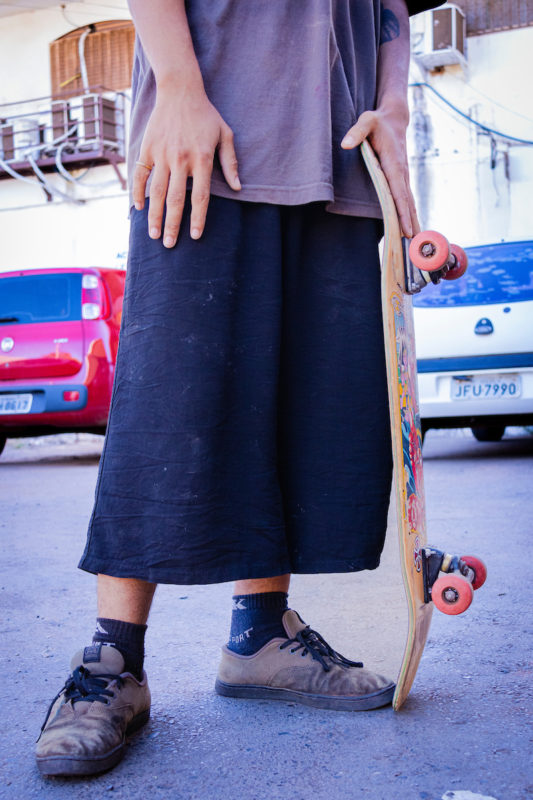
pixel 184 129
pixel 163 28
pixel 393 58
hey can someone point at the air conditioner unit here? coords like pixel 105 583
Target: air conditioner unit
pixel 444 40
pixel 7 141
pixel 95 118
pixel 26 136
pixel 62 123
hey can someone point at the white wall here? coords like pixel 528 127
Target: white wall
pixel 471 193
pixel 33 231
pixel 64 235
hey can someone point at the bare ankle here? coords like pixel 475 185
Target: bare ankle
pixel 126 599
pixel 280 583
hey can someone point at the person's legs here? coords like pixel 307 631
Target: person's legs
pixel 257 613
pixel 107 695
pixel 334 459
pixel 127 599
pixel 257 585
pixel 187 489
pixel 123 608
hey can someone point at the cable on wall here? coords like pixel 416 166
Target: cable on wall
pixel 470 119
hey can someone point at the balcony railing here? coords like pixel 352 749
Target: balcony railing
pixel 58 135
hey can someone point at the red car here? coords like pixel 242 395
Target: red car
pixel 59 333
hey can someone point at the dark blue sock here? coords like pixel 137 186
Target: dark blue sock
pixel 255 620
pixel 126 637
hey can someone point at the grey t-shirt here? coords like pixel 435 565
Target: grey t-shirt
pixel 290 77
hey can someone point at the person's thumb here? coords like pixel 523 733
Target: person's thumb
pixel 358 132
pixel 228 159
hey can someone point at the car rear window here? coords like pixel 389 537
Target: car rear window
pixel 40 298
pixel 497 273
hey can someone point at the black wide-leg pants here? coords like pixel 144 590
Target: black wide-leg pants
pixel 248 434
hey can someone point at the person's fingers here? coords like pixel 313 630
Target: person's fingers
pixel 415 224
pixel 201 187
pixel 140 179
pixel 228 158
pixel 158 193
pixel 395 174
pixel 176 193
pixel 358 132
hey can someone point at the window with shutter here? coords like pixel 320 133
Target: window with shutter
pixel 108 56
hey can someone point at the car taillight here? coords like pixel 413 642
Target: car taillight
pixel 71 395
pixel 94 302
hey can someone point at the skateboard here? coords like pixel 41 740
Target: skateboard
pixel 431 577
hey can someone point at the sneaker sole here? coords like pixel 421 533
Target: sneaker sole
pixel 75 765
pixel 366 702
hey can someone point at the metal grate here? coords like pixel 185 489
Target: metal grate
pixel 486 16
pixel 108 55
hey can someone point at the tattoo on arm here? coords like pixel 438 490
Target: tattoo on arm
pixel 390 27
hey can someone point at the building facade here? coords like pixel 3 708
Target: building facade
pixel 64 118
pixel 471 132
pixel 62 130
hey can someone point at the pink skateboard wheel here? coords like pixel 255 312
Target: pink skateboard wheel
pixel 461 263
pixel 429 250
pixel 452 594
pixel 479 568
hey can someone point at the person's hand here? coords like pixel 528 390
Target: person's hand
pixel 182 135
pixel 385 129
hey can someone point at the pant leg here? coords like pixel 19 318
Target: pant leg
pixel 188 489
pixel 335 460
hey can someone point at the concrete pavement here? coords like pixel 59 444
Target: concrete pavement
pixel 463 730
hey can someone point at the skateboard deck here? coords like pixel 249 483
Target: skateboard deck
pixel 406 270
pixel 405 428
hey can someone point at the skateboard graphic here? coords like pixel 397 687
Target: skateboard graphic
pixel 431 577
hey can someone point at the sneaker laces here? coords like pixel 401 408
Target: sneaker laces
pixel 83 685
pixel 312 642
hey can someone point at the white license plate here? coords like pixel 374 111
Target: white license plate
pixel 486 387
pixel 15 403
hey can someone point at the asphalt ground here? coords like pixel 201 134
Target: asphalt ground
pixel 464 733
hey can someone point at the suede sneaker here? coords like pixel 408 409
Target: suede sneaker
pixel 87 723
pixel 304 669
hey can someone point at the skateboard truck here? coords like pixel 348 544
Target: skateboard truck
pixel 453 592
pixel 429 258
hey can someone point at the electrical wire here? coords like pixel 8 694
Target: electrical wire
pixel 48 186
pixel 81 56
pixel 491 100
pixel 90 6
pixel 64 172
pixel 470 119
pixel 42 182
pixel 70 178
pixel 9 209
pixel 14 174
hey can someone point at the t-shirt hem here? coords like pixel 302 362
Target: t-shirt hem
pixel 355 208
pixel 276 195
pixel 300 195
pixel 296 196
